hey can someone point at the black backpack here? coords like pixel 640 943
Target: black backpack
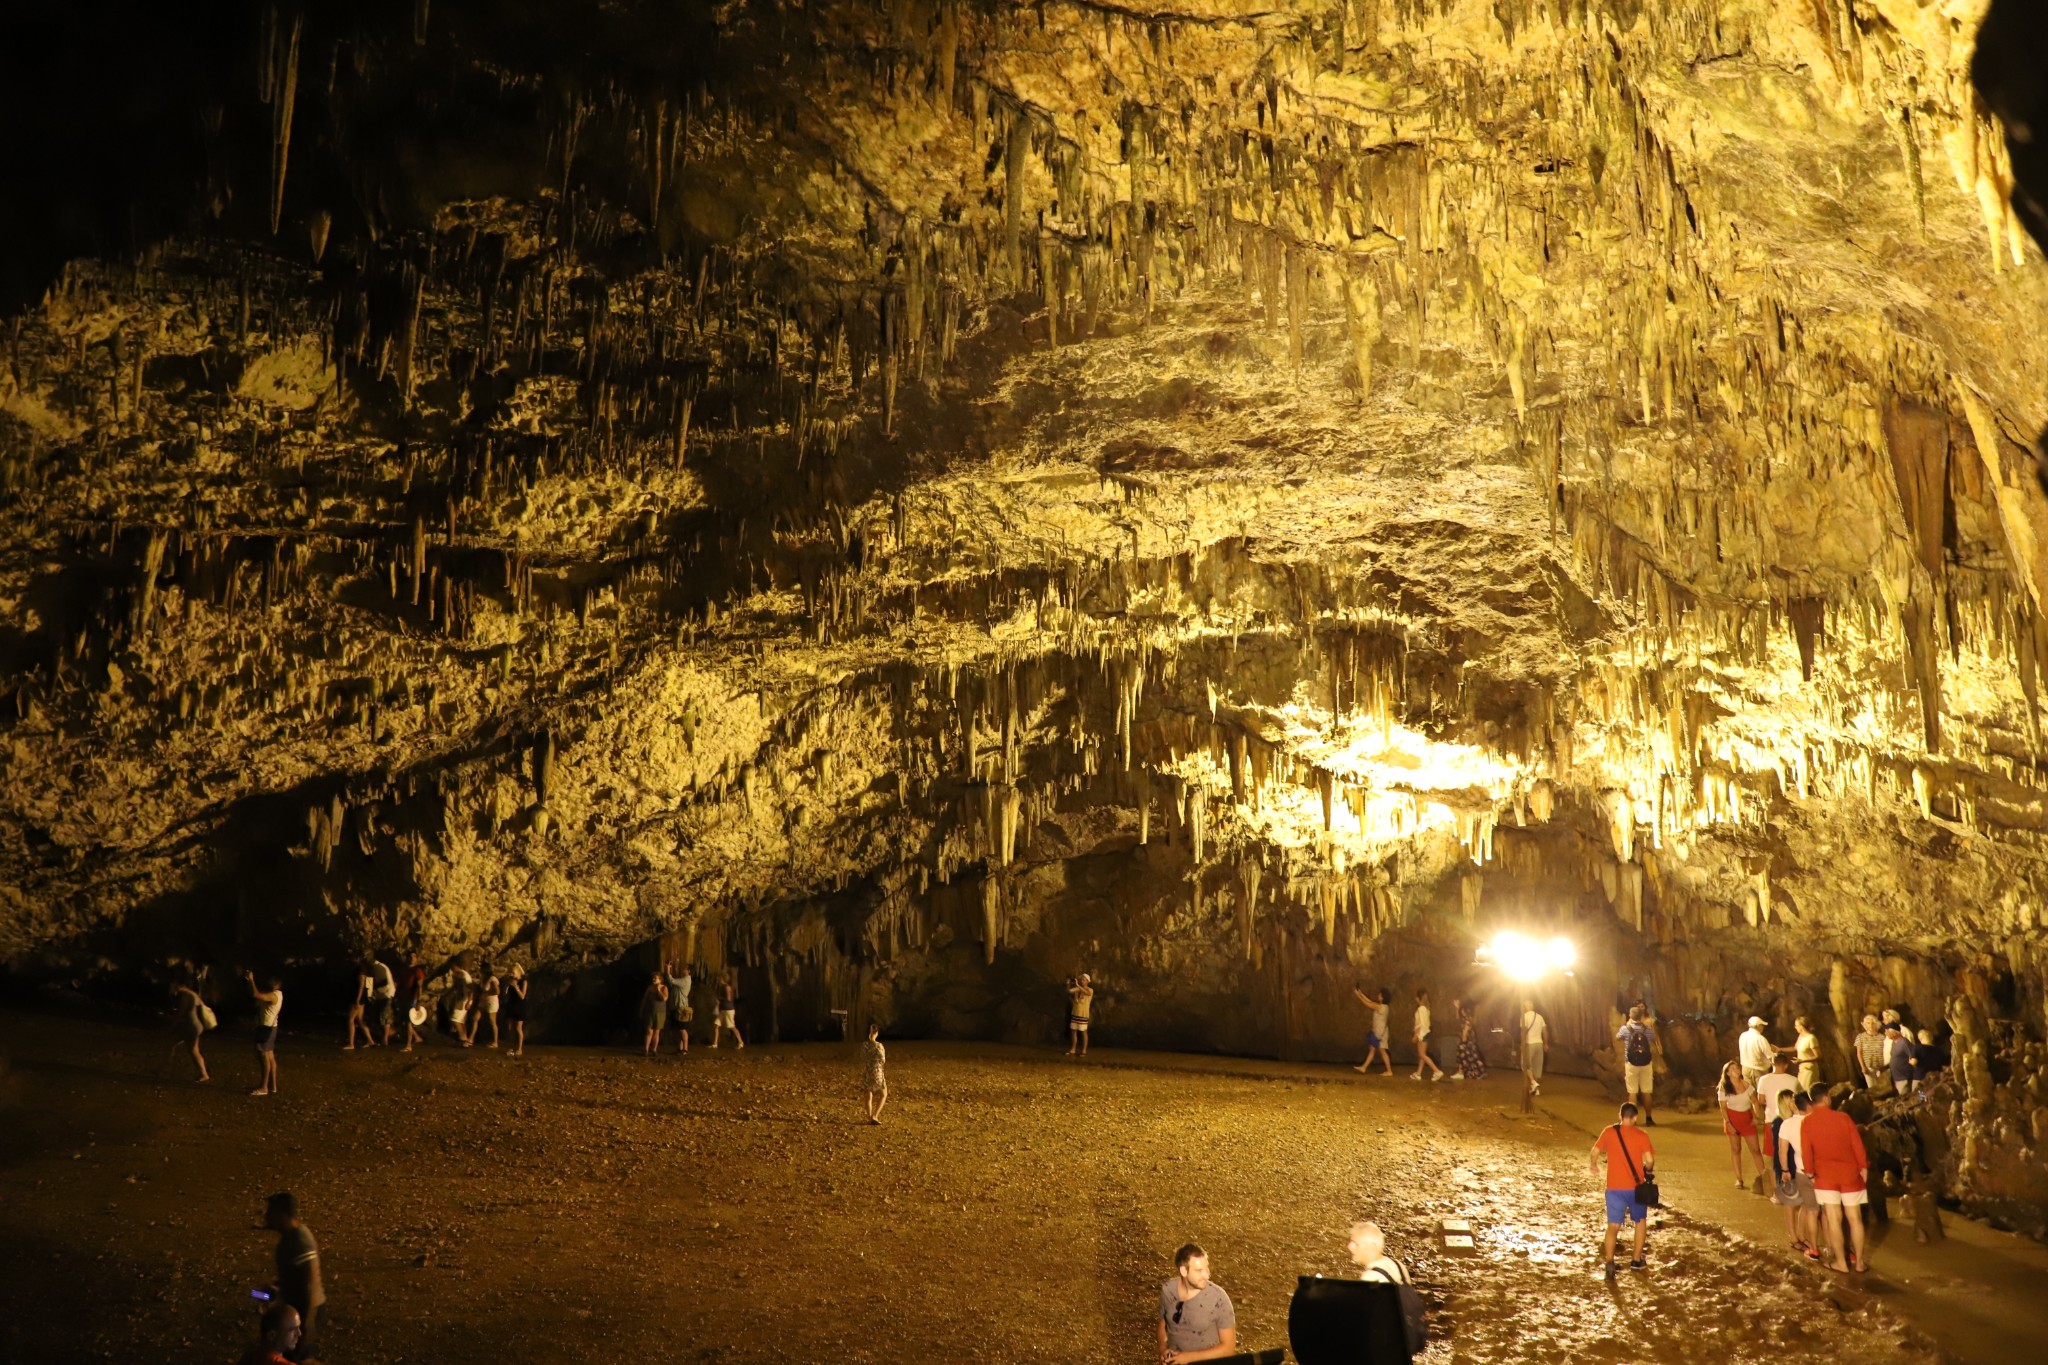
pixel 1638 1045
pixel 1413 1324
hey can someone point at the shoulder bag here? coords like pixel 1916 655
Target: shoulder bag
pixel 207 1019
pixel 1647 1193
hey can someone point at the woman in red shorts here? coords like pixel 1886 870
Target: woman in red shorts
pixel 1738 1120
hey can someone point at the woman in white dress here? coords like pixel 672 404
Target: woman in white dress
pixel 874 1058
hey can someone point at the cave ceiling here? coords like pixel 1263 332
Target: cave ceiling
pixel 640 464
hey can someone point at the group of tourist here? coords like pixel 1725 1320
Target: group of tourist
pixel 1471 1057
pixel 666 1000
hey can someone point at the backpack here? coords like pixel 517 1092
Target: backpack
pixel 1414 1326
pixel 1638 1045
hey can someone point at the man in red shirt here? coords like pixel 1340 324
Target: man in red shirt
pixel 280 1333
pixel 1629 1155
pixel 1831 1149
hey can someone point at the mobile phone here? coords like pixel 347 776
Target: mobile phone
pixel 261 1295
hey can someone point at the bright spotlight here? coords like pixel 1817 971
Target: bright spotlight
pixel 1522 958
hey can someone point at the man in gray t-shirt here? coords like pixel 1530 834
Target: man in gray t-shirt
pixel 1196 1321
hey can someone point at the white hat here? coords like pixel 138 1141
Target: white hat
pixel 1755 1021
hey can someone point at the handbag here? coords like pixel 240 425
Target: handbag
pixel 1788 1176
pixel 207 1019
pixel 1647 1193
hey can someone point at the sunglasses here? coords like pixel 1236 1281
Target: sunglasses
pixel 1176 1312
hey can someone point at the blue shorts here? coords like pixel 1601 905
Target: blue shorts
pixel 1372 1040
pixel 266 1038
pixel 1622 1204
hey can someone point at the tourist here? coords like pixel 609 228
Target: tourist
pixel 1471 1061
pixel 1777 1081
pixel 491 992
pixel 726 1012
pixel 1870 1056
pixel 192 1016
pixel 1420 1029
pixel 298 1269
pixel 1080 1005
pixel 1376 1042
pixel 1196 1320
pixel 653 1014
pixel 874 1057
pixel 1534 1031
pixel 270 999
pixel 680 983
pixel 1368 1247
pixel 1904 1058
pixel 1806 1051
pixel 1755 1050
pixel 1792 1187
pixel 1930 1058
pixel 383 991
pixel 1831 1148
pixel 358 1011
pixel 277 1337
pixel 1738 1099
pixel 1638 1040
pixel 515 1009
pixel 1629 1155
pixel 460 995
pixel 412 989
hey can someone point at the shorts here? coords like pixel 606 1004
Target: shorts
pixel 1077 1023
pixel 1532 1060
pixel 491 1005
pixel 1372 1040
pixel 385 1012
pixel 1752 1075
pixel 1743 1121
pixel 1640 1080
pixel 1623 1205
pixel 728 1019
pixel 1848 1199
pixel 266 1038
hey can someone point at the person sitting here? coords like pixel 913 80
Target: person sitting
pixel 277 1333
pixel 1368 1249
pixel 1196 1319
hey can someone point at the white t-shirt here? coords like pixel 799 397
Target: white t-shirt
pixel 1755 1050
pixel 1788 1133
pixel 273 1007
pixel 1533 1029
pixel 385 987
pixel 1385 1268
pixel 1740 1103
pixel 1379 1024
pixel 1422 1021
pixel 1807 1048
pixel 1769 1088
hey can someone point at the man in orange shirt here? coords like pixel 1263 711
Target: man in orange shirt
pixel 1832 1149
pixel 1629 1155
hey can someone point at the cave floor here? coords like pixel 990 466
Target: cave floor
pixel 1014 1206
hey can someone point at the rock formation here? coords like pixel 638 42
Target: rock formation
pixel 910 499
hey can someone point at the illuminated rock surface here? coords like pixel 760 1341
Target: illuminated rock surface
pixel 911 501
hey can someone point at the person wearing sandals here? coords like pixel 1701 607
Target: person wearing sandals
pixel 1630 1157
pixel 875 1058
pixel 490 992
pixel 1792 1188
pixel 270 998
pixel 1377 1044
pixel 1471 1061
pixel 515 1009
pixel 192 1026
pixel 1737 1098
pixel 1420 1029
pixel 653 1013
pixel 1832 1149
pixel 359 1011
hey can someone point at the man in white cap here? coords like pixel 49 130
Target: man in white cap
pixel 1756 1051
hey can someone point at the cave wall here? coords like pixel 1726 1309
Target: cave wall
pixel 903 502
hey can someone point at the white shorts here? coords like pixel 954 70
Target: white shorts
pixel 728 1019
pixel 1639 1080
pixel 1848 1199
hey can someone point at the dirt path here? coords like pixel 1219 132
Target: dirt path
pixel 1016 1206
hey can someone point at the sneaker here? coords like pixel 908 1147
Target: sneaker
pixel 1609 1272
pixel 1439 1076
pixel 1459 1077
pixel 1638 1265
pixel 1535 1090
pixel 1649 1123
pixel 1415 1076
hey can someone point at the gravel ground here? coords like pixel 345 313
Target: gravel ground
pixel 1013 1206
